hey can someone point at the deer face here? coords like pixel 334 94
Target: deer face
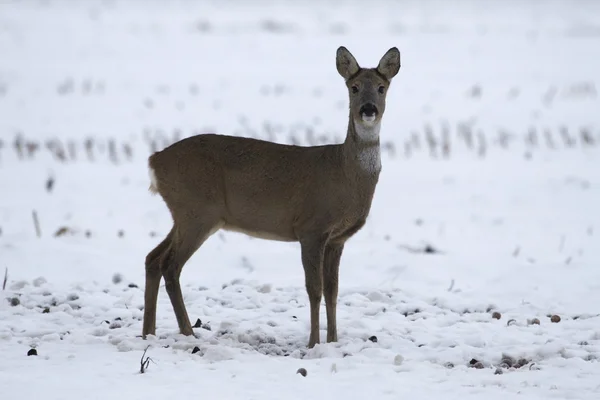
pixel 367 87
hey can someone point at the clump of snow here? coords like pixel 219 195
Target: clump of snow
pixel 40 281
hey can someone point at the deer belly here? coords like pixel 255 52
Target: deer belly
pixel 280 236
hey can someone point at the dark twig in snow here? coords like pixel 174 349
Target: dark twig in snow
pixel 426 249
pixel 561 245
pixel 36 223
pixel 145 363
pixel 517 251
pixel 451 285
pixel 5 278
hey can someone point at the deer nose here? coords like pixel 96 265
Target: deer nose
pixel 368 110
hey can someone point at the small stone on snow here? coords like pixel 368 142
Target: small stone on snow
pixel 72 297
pixel 117 278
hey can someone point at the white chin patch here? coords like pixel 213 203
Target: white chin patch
pixel 366 118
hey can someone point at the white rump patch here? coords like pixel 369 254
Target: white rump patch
pixel 153 184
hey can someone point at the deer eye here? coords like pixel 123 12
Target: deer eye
pixel 381 89
pixel 354 89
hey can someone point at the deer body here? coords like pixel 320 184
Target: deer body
pixel 318 196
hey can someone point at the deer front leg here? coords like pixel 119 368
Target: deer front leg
pixel 331 267
pixel 312 261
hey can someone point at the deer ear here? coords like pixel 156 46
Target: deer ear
pixel 346 63
pixel 390 63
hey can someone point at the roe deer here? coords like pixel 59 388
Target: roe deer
pixel 318 196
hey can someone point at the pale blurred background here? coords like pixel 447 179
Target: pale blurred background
pixel 157 70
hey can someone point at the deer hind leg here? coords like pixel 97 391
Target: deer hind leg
pixel 312 261
pixel 189 236
pixel 331 267
pixel 152 284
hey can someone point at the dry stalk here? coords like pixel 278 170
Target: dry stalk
pixel 566 137
pixel 431 141
pixel 481 144
pixel 36 223
pixel 145 362
pixel 89 148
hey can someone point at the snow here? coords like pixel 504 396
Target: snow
pixel 477 169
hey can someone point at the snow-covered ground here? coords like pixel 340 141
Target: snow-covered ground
pixel 491 162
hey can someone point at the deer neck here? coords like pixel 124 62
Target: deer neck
pixel 362 148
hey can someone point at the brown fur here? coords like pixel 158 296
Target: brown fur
pixel 319 196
